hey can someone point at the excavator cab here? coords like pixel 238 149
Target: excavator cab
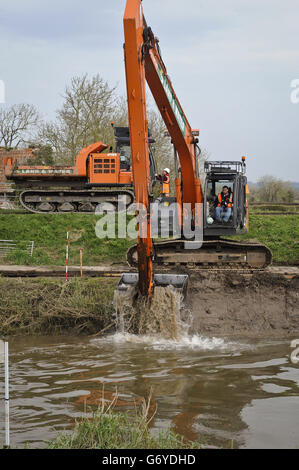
pixel 122 138
pixel 123 148
pixel 225 216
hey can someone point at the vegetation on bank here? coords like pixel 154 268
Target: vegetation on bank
pixel 54 306
pixel 271 190
pixel 280 209
pixel 110 430
pixel 49 235
pixel 279 233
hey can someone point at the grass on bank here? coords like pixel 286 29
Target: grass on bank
pixel 49 235
pixel 54 306
pixel 279 233
pixel 110 430
pixel 278 208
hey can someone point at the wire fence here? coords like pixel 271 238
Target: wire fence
pixel 8 246
pixel 8 197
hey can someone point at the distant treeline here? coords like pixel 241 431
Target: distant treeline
pixel 271 189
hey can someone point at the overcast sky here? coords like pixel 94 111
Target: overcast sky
pixel 231 63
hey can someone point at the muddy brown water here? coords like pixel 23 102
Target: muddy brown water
pixel 224 392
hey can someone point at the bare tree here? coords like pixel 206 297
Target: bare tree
pixel 16 122
pixel 164 155
pixel 271 189
pixel 89 106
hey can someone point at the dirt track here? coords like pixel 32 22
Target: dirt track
pixel 263 304
pixel 112 270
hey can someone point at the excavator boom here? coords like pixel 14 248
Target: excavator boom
pixel 143 63
pixel 136 95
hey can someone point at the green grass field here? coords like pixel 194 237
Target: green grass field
pixel 279 233
pixel 49 235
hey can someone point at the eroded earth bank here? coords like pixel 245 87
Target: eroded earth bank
pixel 262 304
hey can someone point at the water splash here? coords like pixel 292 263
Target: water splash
pixel 193 342
pixel 161 315
pixel 161 323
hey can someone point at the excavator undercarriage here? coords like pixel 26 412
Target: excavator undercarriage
pixel 213 254
pixel 85 201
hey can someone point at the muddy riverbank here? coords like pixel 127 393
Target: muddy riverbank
pixel 259 305
pixel 264 304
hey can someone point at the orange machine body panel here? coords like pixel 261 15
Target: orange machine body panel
pixel 90 165
pixel 44 172
pixel 105 169
pixel 82 157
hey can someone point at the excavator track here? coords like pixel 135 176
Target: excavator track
pixel 213 254
pixel 69 201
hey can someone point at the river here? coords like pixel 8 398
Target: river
pixel 223 392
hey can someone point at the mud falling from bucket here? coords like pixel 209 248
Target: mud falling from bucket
pixel 161 315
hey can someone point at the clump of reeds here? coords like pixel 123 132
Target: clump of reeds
pixel 108 429
pixel 54 306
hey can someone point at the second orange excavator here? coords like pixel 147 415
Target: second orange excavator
pixel 95 178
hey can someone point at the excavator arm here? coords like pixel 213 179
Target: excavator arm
pixel 143 62
pixel 136 96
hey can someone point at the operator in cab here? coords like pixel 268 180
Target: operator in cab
pixel 224 204
pixel 164 181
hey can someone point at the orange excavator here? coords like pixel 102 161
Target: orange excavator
pixel 198 204
pixel 94 178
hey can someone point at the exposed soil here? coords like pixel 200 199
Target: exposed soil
pixel 254 305
pixel 263 304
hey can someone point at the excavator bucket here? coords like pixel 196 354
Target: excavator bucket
pixel 178 281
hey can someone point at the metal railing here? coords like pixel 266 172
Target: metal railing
pixel 8 197
pixel 6 187
pixel 7 246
